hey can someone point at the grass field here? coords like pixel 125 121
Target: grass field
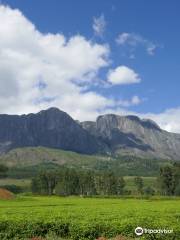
pixel 17 182
pixel 87 218
pixel 24 184
pixel 148 182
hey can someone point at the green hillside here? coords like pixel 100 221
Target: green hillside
pixel 26 162
pixel 29 156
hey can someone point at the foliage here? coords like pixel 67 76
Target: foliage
pixel 13 188
pixel 149 191
pixel 86 218
pixel 67 182
pixel 3 171
pixel 29 161
pixel 129 188
pixel 170 179
pixel 139 184
pixel 177 190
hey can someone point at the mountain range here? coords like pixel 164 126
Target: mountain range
pixel 110 135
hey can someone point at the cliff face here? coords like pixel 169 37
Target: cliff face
pixel 108 134
pixel 50 128
pixel 132 135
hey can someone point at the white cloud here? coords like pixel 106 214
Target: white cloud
pixel 134 40
pixel 135 100
pixel 41 70
pixel 168 119
pixel 99 25
pixel 123 75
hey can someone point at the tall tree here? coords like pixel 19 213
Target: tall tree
pixel 139 184
pixel 110 183
pixel 120 185
pixel 87 183
pixel 69 183
pixel 167 180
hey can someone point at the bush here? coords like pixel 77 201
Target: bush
pixel 177 190
pixel 149 191
pixel 13 188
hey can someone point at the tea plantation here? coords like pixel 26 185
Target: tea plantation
pixel 87 218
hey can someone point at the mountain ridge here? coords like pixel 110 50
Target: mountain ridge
pixel 135 136
pixel 48 128
pixel 110 134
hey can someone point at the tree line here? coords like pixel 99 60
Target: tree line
pixel 72 182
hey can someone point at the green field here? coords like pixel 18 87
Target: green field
pixel 148 182
pixel 18 182
pixel 23 184
pixel 87 218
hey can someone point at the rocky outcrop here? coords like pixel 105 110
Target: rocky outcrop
pixel 51 128
pixel 109 134
pixel 135 136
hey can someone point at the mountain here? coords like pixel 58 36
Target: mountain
pixel 130 135
pixel 50 128
pixel 109 135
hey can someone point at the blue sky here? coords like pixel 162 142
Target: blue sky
pixel 141 52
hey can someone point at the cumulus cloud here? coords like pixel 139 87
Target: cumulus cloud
pixel 134 40
pixel 40 70
pixel 99 25
pixel 168 119
pixel 123 75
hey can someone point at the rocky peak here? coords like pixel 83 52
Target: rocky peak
pixel 132 135
pixel 110 133
pixel 49 128
pixel 106 123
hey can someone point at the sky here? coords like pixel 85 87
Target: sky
pixel 90 58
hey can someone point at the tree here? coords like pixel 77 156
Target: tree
pixel 44 183
pixel 176 172
pixel 3 171
pixel 167 180
pixel 149 191
pixel 139 184
pixel 120 185
pixel 35 185
pixel 109 183
pixel 177 190
pixel 87 183
pixel 99 184
pixel 68 184
pixel 51 181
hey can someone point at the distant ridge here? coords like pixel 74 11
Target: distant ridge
pixel 131 135
pixel 110 134
pixel 49 128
